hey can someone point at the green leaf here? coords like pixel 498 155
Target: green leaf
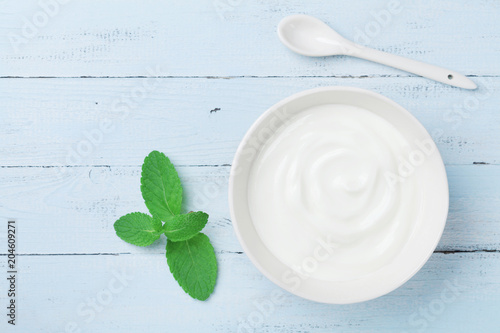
pixel 138 229
pixel 161 186
pixel 157 224
pixel 194 266
pixel 183 227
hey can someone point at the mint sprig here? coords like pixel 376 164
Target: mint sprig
pixel 190 256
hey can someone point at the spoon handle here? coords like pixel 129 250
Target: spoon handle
pixel 436 73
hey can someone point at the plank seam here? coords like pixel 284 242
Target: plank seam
pixel 218 252
pixel 176 165
pixel 364 76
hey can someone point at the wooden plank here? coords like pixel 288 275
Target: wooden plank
pixel 123 37
pixel 74 211
pixel 452 293
pixel 60 121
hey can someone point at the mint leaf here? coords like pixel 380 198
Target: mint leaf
pixel 157 224
pixel 138 229
pixel 161 186
pixel 186 226
pixel 194 266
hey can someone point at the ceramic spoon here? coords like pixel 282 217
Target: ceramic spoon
pixel 309 36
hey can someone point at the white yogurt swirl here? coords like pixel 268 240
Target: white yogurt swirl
pixel 319 196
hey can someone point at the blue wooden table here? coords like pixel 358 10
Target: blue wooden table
pixel 89 88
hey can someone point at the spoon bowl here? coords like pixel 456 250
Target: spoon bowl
pixel 311 37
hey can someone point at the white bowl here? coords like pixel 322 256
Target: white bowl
pixel 422 241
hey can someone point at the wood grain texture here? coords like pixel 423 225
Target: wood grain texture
pixel 74 212
pixel 193 38
pixel 90 92
pixel 53 121
pixel 58 289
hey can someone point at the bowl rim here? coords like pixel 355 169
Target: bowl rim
pixel 238 154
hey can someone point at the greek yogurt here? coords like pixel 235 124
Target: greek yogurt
pixel 321 196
